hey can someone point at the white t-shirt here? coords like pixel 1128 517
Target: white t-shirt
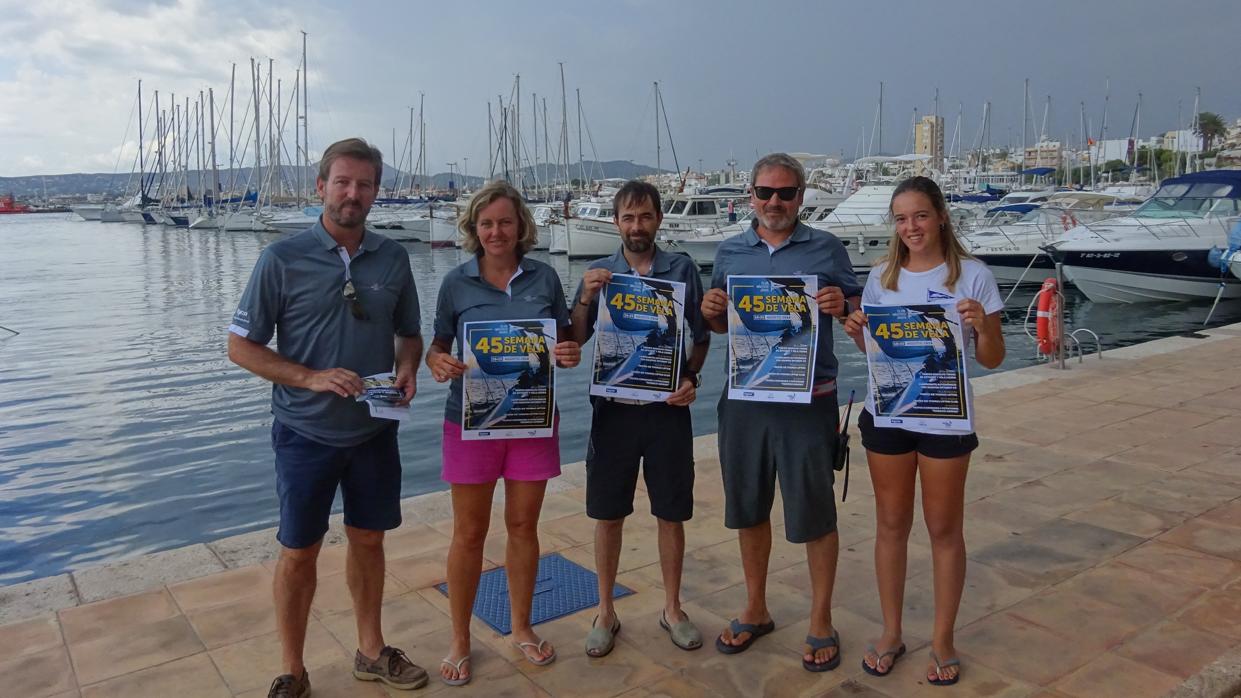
pixel 920 287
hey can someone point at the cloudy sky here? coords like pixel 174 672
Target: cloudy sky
pixel 738 78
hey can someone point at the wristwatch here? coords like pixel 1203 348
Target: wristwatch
pixel 693 376
pixel 848 310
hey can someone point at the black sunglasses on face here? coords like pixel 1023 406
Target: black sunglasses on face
pixel 355 305
pixel 785 193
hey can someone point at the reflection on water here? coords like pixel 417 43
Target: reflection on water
pixel 125 429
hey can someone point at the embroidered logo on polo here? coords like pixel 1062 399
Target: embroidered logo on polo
pixel 530 298
pixel 932 295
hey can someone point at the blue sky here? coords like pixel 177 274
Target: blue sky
pixel 738 78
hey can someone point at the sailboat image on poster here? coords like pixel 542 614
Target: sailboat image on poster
pixel 508 389
pixel 917 370
pixel 773 326
pixel 639 336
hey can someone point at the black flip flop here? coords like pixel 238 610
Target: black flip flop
pixel 755 630
pixel 822 643
pixel 940 666
pixel 895 653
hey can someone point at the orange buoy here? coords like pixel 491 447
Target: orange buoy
pixel 1048 309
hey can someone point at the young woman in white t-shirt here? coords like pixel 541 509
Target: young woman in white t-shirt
pixel 925 264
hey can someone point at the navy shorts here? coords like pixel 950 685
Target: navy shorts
pixel 894 441
pixel 308 473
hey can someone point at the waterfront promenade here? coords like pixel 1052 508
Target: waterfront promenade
pixel 1104 532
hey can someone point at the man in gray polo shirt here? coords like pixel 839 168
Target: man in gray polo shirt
pixel 760 442
pixel 341 302
pixel 658 434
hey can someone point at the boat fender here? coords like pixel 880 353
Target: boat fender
pixel 1048 309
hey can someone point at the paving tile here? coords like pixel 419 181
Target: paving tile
pixel 1181 564
pixel 412 539
pixel 332 593
pixel 139 647
pixel 1134 589
pixel 1206 537
pixel 1218 612
pixel 253 663
pixel 224 624
pixel 766 669
pixel 116 616
pixel 37 674
pixel 403 618
pixel 192 677
pixel 1020 649
pixel 1061 611
pixel 222 588
pixel 37 597
pixel 30 636
pixel 1170 456
pixel 576 674
pixel 1075 538
pixel 145 572
pixel 1175 648
pixel 1118 516
pixel 1226 515
pixel 1191 496
pixel 670 687
pixel 336 680
pixel 1046 565
pixel 1114 676
pixel 1048 501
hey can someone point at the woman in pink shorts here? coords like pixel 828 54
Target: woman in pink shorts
pixel 498 283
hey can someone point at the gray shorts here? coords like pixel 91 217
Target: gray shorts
pixel 759 442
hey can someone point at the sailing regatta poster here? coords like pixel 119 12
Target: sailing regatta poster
pixel 773 327
pixel 638 338
pixel 508 390
pixel 917 367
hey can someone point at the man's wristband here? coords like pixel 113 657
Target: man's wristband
pixel 693 377
pixel 581 303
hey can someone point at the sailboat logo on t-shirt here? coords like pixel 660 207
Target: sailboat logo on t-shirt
pixel 932 295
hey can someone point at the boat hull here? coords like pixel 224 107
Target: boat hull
pixel 1146 276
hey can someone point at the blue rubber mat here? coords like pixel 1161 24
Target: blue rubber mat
pixel 561 587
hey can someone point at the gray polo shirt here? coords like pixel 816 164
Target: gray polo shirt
pixel 667 266
pixel 534 292
pixel 807 251
pixel 296 294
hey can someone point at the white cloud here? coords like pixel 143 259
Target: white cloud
pixel 74 67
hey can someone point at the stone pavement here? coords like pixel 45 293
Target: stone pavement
pixel 1103 524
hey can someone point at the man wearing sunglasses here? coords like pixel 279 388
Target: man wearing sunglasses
pixel 760 442
pixel 341 303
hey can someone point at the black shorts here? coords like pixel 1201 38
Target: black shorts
pixel 894 441
pixel 657 434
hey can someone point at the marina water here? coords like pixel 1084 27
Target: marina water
pixel 125 429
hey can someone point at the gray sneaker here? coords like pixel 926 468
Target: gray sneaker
pixel 392 667
pixel 289 686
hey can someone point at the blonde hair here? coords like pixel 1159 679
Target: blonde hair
pixel 467 223
pixel 898 251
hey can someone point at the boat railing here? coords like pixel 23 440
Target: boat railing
pixel 1163 228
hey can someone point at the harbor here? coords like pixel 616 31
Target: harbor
pixel 1037 364
pixel 1109 491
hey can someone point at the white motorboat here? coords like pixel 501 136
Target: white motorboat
pixel 1012 249
pixel 862 223
pixel 1160 252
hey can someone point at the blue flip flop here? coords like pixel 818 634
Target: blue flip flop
pixel 756 630
pixel 895 653
pixel 940 666
pixel 821 643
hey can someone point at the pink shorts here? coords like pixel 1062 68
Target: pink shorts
pixel 477 462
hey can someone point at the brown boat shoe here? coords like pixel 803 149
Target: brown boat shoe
pixel 289 686
pixel 393 668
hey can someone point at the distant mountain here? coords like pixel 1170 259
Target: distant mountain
pixel 118 186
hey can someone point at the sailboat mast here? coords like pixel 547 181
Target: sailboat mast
pixel 215 171
pixel 141 144
pixel 257 174
pixel 658 165
pixel 305 112
pixel 1025 111
pixel 581 156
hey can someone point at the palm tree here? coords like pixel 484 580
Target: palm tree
pixel 1210 127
